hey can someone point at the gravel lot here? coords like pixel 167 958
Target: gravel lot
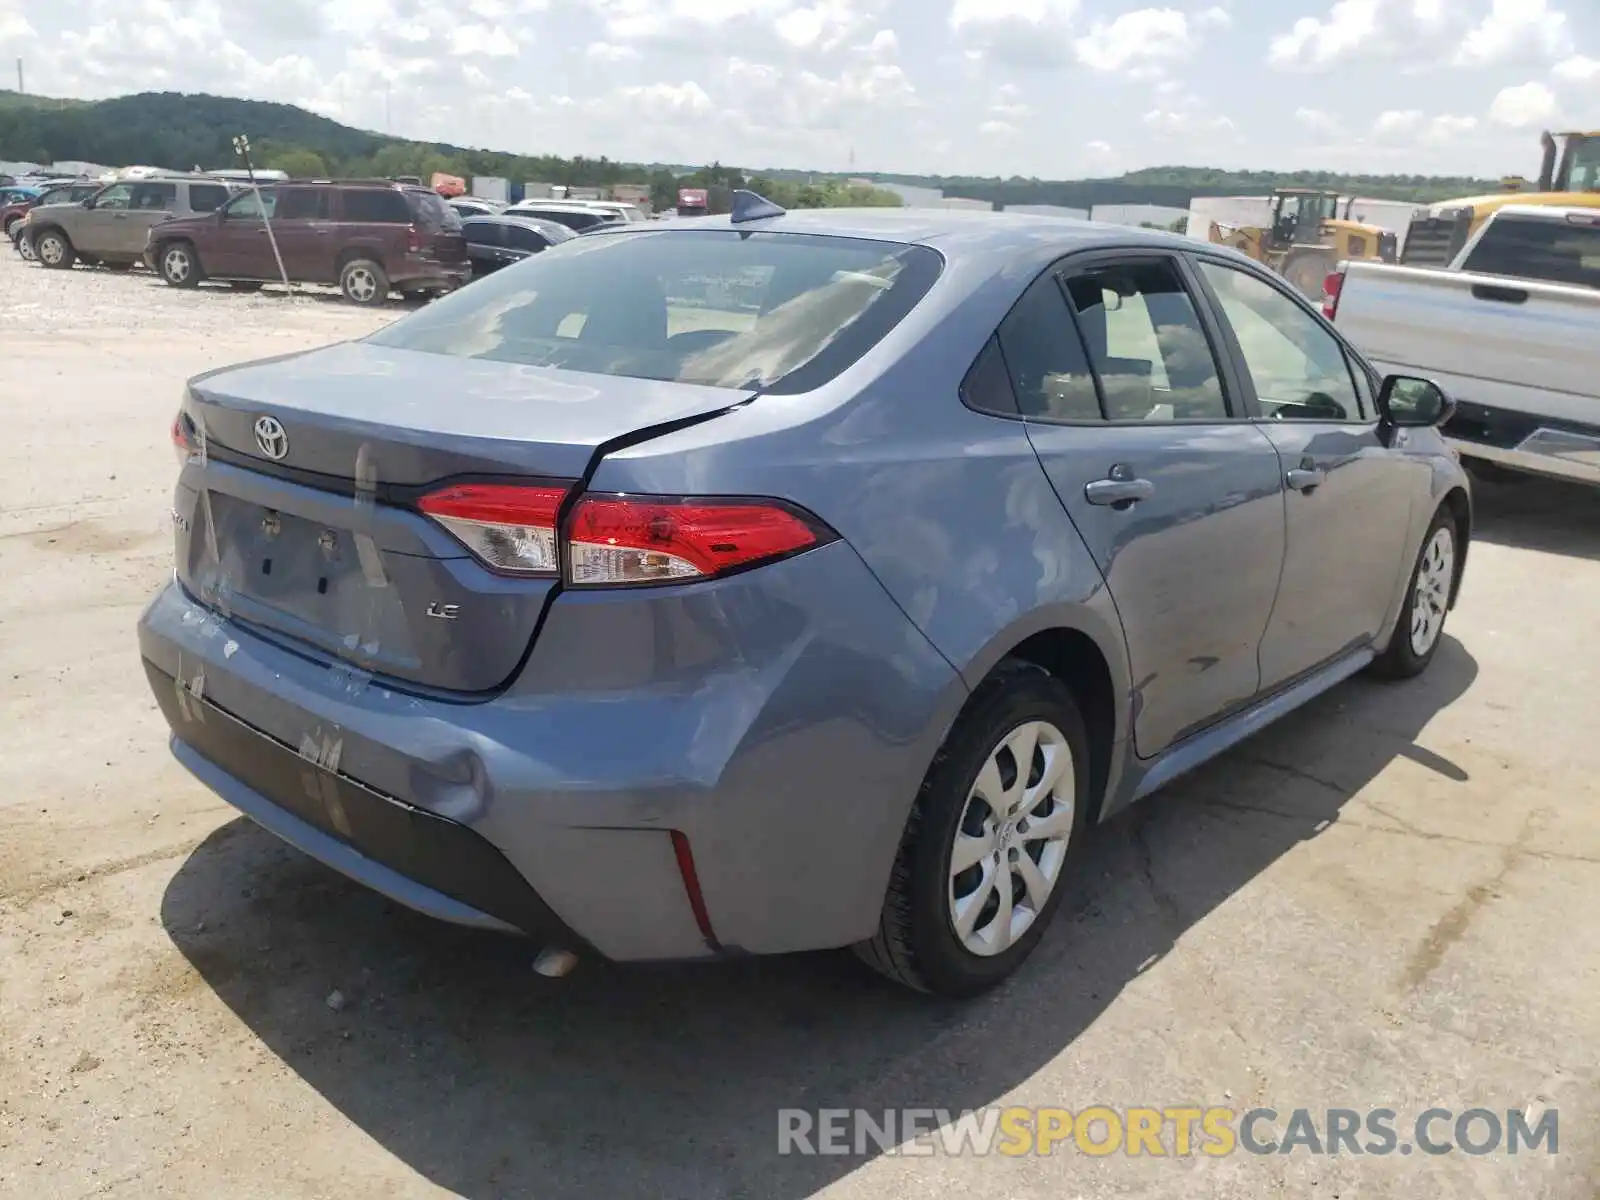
pixel 1387 900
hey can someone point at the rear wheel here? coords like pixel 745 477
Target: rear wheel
pixel 54 250
pixel 179 266
pixel 1308 269
pixel 1421 626
pixel 363 282
pixel 11 226
pixel 24 246
pixel 990 841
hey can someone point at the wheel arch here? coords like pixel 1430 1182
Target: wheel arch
pixel 1459 504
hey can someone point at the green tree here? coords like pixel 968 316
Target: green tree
pixel 294 161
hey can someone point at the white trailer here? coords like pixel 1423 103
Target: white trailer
pixel 491 187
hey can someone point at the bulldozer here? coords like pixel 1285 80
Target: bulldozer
pixel 1310 233
pixel 1569 176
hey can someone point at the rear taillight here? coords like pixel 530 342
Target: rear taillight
pixel 618 539
pixel 646 539
pixel 510 527
pixel 413 239
pixel 1331 287
pixel 180 440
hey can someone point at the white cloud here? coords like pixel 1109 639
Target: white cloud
pixel 997 129
pixel 14 27
pixel 1398 123
pixel 1515 29
pixel 1216 16
pixel 1525 106
pixel 491 42
pixel 1351 29
pixel 1349 25
pixel 1316 120
pixel 610 52
pixel 1139 40
pixel 1578 69
pixel 1016 33
pixel 1098 147
pixel 1184 121
pixel 688 97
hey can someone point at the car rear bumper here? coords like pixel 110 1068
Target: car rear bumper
pixel 414 275
pixel 780 720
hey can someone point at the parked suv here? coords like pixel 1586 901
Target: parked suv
pixel 113 224
pixel 67 191
pixel 369 238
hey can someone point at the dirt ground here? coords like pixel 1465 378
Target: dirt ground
pixel 1387 900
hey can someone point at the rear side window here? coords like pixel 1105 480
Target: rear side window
pixel 572 220
pixel 431 214
pixel 207 197
pixel 1146 343
pixel 382 205
pixel 154 197
pixel 778 312
pixel 302 204
pixel 1045 357
pixel 481 233
pixel 1530 248
pixel 522 238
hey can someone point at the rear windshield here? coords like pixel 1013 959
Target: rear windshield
pixel 778 312
pixel 432 214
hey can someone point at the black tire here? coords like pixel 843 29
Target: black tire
pixel 178 264
pixel 245 285
pixel 916 944
pixel 12 225
pixel 363 282
pixel 1401 659
pixel 54 249
pixel 23 246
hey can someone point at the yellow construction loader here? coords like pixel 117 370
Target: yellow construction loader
pixel 1311 233
pixel 1569 176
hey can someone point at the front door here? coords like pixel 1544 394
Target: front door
pixel 1177 498
pixel 1347 496
pixel 95 230
pixel 233 248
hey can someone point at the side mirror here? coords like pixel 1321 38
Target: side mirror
pixel 88 202
pixel 1408 402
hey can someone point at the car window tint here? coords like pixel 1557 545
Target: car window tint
pixel 1045 357
pixel 724 308
pixel 1299 368
pixel 1146 343
pixel 1532 248
pixel 431 214
pixel 207 197
pixel 987 386
pixel 117 196
pixel 154 197
pixel 481 233
pixel 522 238
pixel 382 205
pixel 246 205
pixel 302 204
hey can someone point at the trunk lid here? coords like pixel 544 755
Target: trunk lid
pixel 310 531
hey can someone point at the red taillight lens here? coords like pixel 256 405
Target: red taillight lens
pixel 642 539
pixel 510 527
pixel 1331 286
pixel 180 440
pixel 413 239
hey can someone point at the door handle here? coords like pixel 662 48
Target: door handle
pixel 1118 492
pixel 1499 295
pixel 1303 479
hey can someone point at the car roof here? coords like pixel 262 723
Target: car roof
pixel 557 205
pixel 527 220
pixel 951 231
pixel 1548 212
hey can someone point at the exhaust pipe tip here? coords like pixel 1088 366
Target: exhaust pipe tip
pixel 554 964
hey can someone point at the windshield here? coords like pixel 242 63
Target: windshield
pixel 1585 165
pixel 725 308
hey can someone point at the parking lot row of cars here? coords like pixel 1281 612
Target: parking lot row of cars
pixel 368 238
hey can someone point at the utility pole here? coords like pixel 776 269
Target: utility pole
pixel 241 146
pixel 388 122
pixel 20 89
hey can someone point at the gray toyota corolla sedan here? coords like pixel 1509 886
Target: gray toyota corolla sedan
pixel 784 581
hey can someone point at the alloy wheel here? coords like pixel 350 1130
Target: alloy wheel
pixel 360 286
pixel 176 265
pixel 50 249
pixel 26 250
pixel 1011 841
pixel 1435 573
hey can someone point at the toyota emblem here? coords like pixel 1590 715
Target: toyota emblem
pixel 271 438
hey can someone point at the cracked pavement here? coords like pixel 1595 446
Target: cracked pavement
pixel 1387 899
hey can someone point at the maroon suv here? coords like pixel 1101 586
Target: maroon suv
pixel 367 237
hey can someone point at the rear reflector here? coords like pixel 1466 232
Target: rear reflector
pixel 510 527
pixel 691 887
pixel 646 539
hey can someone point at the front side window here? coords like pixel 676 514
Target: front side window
pixel 481 233
pixel 774 311
pixel 253 206
pixel 1299 369
pixel 1146 343
pixel 117 196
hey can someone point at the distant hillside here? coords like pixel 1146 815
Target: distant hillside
pixel 170 129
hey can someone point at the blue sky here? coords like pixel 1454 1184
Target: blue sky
pixel 1048 88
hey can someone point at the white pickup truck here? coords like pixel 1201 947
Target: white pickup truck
pixel 1511 329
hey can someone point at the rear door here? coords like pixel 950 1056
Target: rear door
pixel 1174 493
pixel 301 223
pixel 1348 496
pixel 485 245
pixel 150 204
pixel 521 241
pixel 438 228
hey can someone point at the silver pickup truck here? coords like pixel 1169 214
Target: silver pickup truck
pixel 1511 329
